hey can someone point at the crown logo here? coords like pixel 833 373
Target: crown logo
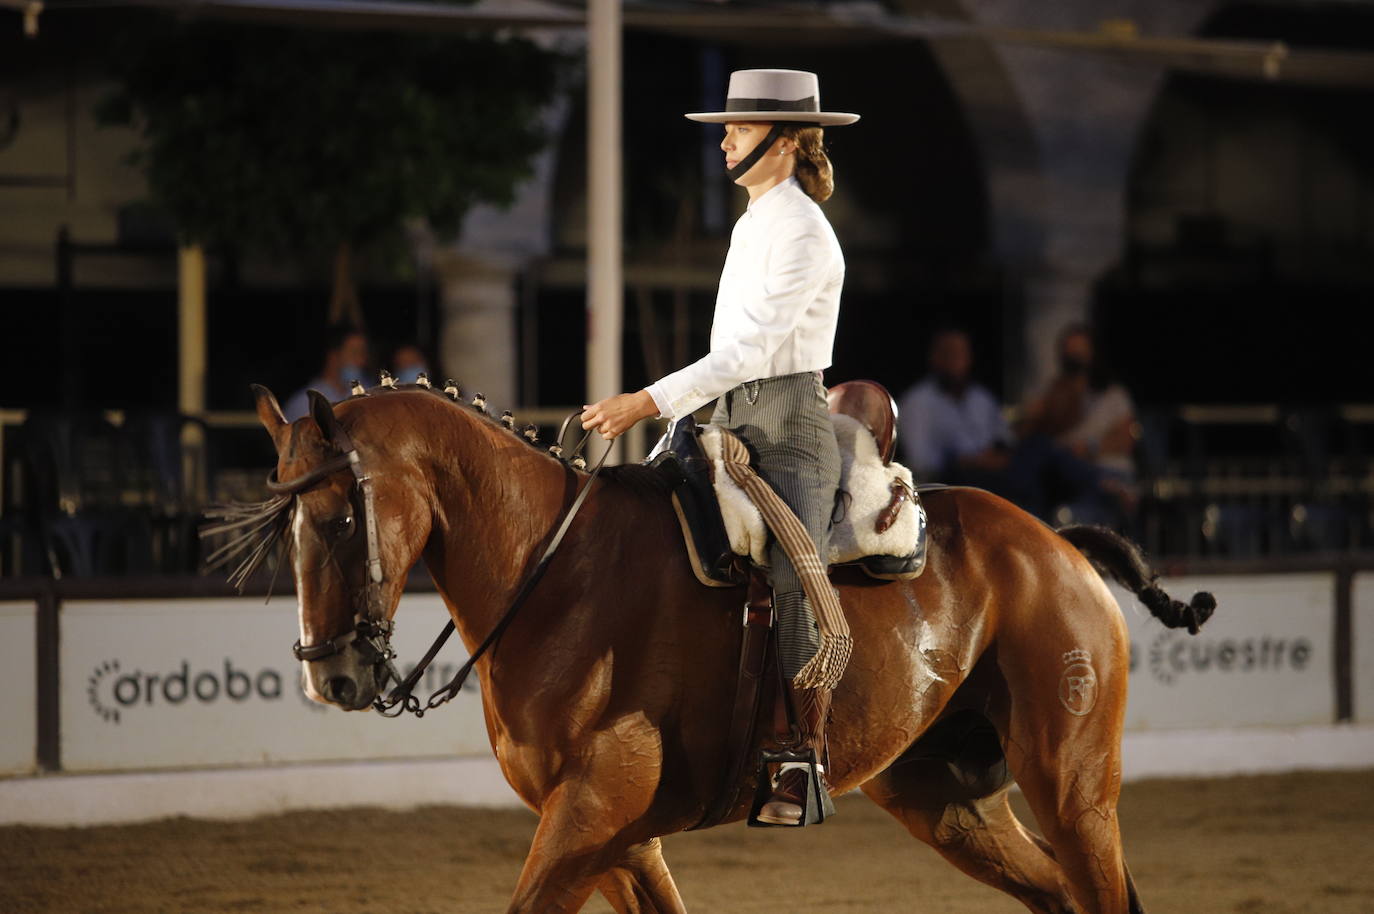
pixel 1077 655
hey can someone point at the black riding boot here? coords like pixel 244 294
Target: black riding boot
pixel 786 805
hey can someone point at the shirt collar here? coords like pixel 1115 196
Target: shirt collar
pixel 774 196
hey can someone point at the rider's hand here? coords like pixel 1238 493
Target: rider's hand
pixel 614 416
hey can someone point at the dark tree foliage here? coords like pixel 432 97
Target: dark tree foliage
pixel 299 143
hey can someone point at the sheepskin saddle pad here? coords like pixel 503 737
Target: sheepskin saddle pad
pixel 880 524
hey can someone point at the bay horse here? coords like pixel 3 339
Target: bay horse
pixel 606 701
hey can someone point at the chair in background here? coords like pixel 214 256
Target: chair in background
pixel 173 463
pixel 77 468
pixel 1320 518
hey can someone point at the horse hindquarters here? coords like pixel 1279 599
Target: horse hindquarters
pixel 1066 686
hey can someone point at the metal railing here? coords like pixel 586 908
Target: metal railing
pixel 1194 502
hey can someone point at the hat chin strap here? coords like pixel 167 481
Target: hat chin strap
pixel 742 167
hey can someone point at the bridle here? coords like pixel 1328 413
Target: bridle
pixel 372 630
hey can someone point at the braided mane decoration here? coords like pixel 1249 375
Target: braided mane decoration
pixel 256 529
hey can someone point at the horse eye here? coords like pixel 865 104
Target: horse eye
pixel 340 527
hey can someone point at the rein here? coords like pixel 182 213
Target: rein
pixel 372 630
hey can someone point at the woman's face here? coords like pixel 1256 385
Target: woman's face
pixel 740 140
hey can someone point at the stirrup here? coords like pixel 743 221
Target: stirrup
pixel 816 803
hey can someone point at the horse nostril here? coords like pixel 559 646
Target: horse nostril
pixel 341 689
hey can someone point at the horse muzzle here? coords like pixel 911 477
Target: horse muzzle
pixel 345 680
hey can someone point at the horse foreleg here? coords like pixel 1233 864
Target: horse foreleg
pixel 572 849
pixel 978 834
pixel 589 825
pixel 641 884
pixel 556 878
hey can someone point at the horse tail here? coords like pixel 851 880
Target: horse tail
pixel 1113 554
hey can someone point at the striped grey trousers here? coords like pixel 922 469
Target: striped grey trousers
pixel 786 424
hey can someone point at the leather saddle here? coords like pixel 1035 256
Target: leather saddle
pixel 714 558
pixel 873 407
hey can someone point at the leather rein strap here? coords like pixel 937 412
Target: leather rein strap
pixel 372 630
pixel 402 696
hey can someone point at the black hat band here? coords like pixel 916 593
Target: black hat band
pixel 772 104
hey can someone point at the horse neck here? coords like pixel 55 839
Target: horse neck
pixel 496 500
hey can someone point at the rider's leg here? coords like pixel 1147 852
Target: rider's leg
pixel 808 487
pixel 786 423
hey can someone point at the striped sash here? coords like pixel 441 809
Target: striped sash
pixel 824 670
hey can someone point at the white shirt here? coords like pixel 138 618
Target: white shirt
pixel 777 307
pixel 938 428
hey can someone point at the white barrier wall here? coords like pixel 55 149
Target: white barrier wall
pixel 1362 610
pixel 208 682
pixel 18 688
pixel 211 682
pixel 1264 659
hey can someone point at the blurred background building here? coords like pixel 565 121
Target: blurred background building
pixel 1195 180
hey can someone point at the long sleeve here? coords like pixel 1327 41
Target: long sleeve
pixel 757 311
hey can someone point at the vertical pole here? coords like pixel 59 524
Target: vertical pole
pixel 1344 642
pixel 191 356
pixel 191 330
pixel 49 678
pixel 67 322
pixel 605 289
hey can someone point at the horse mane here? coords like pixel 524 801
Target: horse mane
pixel 638 479
pixel 255 529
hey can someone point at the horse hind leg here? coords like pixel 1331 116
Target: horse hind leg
pixel 641 884
pixel 959 807
pixel 1065 753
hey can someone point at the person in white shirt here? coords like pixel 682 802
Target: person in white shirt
pixel 952 426
pixel 771 337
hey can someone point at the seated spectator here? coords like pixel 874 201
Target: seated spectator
pixel 952 428
pixel 407 362
pixel 1090 422
pixel 345 360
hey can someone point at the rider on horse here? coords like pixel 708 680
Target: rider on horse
pixel 772 335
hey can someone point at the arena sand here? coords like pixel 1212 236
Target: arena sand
pixel 1253 845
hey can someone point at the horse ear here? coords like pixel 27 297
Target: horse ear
pixel 322 411
pixel 270 415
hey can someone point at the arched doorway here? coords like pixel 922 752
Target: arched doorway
pixel 1250 237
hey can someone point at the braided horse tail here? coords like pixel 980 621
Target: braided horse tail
pixel 1116 556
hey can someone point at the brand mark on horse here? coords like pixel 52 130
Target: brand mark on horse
pixel 1078 683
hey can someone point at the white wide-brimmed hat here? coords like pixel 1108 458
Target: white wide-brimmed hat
pixel 792 96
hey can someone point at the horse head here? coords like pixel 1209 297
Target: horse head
pixel 358 520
